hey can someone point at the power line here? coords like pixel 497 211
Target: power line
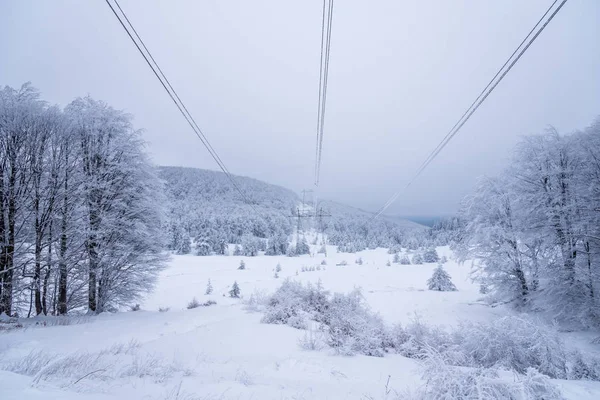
pixel 175 97
pixel 323 79
pixel 478 101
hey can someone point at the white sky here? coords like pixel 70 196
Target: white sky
pixel 401 73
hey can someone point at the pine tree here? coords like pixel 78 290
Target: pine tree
pixel 235 291
pixel 440 280
pixel 396 258
pixel 242 265
pixel 209 288
pixel 278 268
pixel 388 263
pixel 430 256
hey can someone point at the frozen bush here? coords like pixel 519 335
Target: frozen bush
pixel 388 263
pixel 342 263
pixel 278 268
pixel 163 309
pixel 440 280
pixel 584 368
pixel 194 303
pixel 292 299
pixel 449 382
pixel 404 260
pixel 513 343
pixel 352 328
pixel 242 265
pixel 359 261
pixel 396 258
pixel 298 321
pixel 324 262
pixel 135 307
pixel 443 260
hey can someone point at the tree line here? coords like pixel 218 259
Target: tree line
pixel 80 207
pixel 536 227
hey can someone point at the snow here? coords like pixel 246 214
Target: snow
pixel 224 352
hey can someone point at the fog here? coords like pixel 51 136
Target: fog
pixel 401 74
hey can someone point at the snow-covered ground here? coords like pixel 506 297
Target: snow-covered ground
pixel 224 352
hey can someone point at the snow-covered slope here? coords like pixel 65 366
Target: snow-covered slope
pixel 224 352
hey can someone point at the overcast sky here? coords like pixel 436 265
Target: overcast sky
pixel 401 73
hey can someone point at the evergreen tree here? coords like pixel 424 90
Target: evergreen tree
pixel 417 259
pixel 302 247
pixel 396 258
pixel 430 256
pixel 242 265
pixel 404 260
pixel 235 291
pixel 209 288
pixel 440 280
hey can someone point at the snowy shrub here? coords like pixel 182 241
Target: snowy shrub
pixel 583 368
pixel 298 321
pixel 135 307
pixel 404 260
pixel 209 288
pixel 352 328
pixel 513 343
pixel 277 245
pixel 440 280
pixel 443 260
pixel 292 299
pixel 359 261
pixel 163 309
pixel 417 259
pixel 322 250
pixel 430 256
pixel 235 291
pixel 83 368
pixel 324 262
pixel 396 258
pixel 276 275
pixel 194 303
pixel 278 268
pixel 242 265
pixel 388 263
pixel 342 263
pixel 444 381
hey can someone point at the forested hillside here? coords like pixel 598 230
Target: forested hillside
pixel 204 206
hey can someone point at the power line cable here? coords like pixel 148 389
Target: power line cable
pixel 175 97
pixel 323 79
pixel 480 99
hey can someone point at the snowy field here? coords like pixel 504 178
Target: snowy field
pixel 224 352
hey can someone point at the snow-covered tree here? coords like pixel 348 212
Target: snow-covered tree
pixel 430 256
pixel 235 290
pixel 396 258
pixel 440 280
pixel 417 259
pixel 209 288
pixel 302 247
pixel 242 265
